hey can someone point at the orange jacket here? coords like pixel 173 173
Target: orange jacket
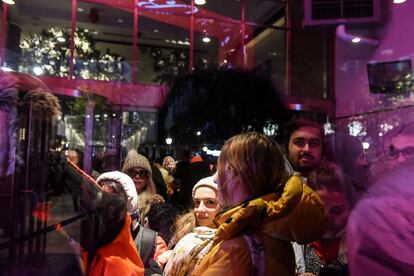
pixel 120 257
pixel 277 219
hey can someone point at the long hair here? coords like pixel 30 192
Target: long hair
pixel 253 162
pixel 148 192
pixel 150 187
pixel 183 225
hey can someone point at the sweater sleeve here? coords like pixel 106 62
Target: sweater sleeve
pixel 160 248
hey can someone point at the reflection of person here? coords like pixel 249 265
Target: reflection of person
pixel 305 144
pixel 347 151
pixel 327 255
pixel 76 156
pixel 264 213
pixel 191 248
pixel 74 245
pixel 380 229
pixel 399 145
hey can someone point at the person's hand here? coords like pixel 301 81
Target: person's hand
pixel 163 258
pixel 307 274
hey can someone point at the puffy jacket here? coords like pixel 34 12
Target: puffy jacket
pixel 120 257
pixel 294 214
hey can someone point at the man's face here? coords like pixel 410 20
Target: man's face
pixel 337 211
pixel 305 148
pixel 396 151
pixel 400 149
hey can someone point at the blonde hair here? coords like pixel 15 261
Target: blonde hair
pixel 183 225
pixel 146 193
pixel 253 162
pixel 150 187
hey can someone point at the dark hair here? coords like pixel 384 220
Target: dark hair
pixel 303 121
pixel 330 176
pixel 112 209
pixel 161 218
pixel 116 187
pixel 108 222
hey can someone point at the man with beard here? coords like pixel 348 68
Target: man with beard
pixel 305 145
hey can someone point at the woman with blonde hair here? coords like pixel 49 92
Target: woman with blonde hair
pixel 267 209
pixel 194 230
pixel 139 169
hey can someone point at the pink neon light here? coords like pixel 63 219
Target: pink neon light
pixel 72 40
pixel 4 34
pixel 190 64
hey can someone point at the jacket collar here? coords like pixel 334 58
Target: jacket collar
pixel 276 214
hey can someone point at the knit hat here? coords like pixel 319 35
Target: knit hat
pixel 127 184
pixel 134 159
pixel 206 182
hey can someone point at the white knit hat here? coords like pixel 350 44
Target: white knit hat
pixel 134 159
pixel 206 182
pixel 126 183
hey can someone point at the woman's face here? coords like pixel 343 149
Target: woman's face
pixel 206 206
pixel 140 177
pixel 169 163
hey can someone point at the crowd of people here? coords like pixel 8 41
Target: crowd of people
pixel 308 207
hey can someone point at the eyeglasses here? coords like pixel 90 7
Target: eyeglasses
pixel 394 152
pixel 138 173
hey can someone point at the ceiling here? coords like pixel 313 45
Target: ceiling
pixel 112 20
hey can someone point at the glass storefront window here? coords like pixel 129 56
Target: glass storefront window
pixel 355 77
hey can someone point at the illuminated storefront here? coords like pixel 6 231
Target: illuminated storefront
pixel 111 65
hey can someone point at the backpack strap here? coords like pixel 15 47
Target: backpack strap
pixel 146 242
pixel 257 254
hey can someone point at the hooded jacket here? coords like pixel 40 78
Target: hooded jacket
pixel 132 196
pixel 127 184
pixel 120 257
pixel 277 219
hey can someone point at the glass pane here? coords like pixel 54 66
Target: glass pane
pixel 103 42
pixel 164 45
pixel 269 56
pixel 38 37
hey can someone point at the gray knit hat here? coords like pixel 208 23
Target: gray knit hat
pixel 134 159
